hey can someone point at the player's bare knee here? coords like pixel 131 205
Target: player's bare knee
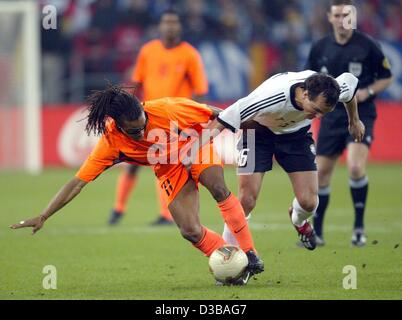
pixel 219 191
pixel 191 233
pixel 308 203
pixel 356 171
pixel 248 203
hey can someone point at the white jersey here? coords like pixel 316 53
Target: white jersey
pixel 272 103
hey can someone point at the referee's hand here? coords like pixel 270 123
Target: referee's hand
pixel 357 130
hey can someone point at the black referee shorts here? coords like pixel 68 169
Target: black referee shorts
pixel 293 151
pixel 334 136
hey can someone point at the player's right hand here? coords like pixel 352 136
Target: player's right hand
pixel 35 223
pixel 357 130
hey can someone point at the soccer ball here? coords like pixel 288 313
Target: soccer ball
pixel 227 263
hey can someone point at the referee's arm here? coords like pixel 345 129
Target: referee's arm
pixel 377 87
pixel 383 75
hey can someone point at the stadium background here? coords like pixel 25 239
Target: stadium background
pixel 242 43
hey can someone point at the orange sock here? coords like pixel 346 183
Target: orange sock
pixel 209 242
pixel 125 184
pixel 233 214
pixel 163 207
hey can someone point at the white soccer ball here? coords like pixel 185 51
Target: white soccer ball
pixel 228 263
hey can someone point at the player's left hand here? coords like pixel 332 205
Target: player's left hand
pixel 356 130
pixel 36 224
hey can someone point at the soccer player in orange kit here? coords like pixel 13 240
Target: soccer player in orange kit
pixel 165 67
pixel 128 130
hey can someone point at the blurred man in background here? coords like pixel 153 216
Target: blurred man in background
pixel 347 50
pixel 165 67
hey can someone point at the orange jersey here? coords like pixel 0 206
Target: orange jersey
pixel 173 72
pixel 163 114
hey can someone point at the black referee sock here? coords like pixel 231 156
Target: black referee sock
pixel 323 196
pixel 359 190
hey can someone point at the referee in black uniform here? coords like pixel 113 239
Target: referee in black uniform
pixel 347 50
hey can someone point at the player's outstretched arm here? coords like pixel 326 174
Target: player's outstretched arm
pixel 356 127
pixel 64 196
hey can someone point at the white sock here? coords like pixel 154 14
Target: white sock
pixel 228 236
pixel 299 215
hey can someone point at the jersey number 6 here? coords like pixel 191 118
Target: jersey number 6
pixel 242 158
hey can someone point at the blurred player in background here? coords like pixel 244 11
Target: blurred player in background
pixel 347 50
pixel 130 132
pixel 165 67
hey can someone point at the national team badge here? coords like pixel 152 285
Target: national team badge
pixel 355 68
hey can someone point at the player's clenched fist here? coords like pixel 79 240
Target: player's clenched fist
pixel 357 130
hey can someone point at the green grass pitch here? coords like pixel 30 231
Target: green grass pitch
pixel 136 261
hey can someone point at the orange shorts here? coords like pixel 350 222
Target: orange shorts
pixel 172 178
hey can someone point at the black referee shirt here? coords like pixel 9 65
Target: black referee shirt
pixel 361 56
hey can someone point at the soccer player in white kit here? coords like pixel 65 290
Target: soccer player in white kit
pixel 280 111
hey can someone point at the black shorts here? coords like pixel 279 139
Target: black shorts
pixel 293 151
pixel 334 136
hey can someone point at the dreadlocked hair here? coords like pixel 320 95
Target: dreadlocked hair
pixel 113 102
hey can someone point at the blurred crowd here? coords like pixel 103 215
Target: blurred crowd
pixel 103 36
